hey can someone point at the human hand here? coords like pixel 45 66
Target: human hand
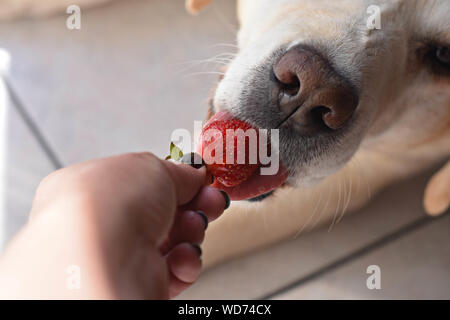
pixel 128 222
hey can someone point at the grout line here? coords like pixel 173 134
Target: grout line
pixel 377 244
pixel 31 124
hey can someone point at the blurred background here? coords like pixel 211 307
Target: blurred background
pixel 137 70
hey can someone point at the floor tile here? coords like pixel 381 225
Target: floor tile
pixel 23 165
pixel 266 271
pixel 416 266
pixel 124 81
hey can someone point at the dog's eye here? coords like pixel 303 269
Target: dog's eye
pixel 443 56
pixel 439 60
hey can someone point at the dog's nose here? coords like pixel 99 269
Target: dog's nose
pixel 311 92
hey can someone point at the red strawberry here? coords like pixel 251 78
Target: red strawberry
pixel 215 132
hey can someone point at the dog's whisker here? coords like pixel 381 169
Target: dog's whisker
pixel 350 192
pixel 222 59
pixel 359 175
pixel 204 73
pixel 224 54
pixel 224 45
pixel 208 59
pixel 324 208
pixel 364 176
pixel 337 207
pixel 347 196
pixel 369 193
pixel 231 54
pixel 344 196
pixel 221 62
pixel 191 66
pixel 316 206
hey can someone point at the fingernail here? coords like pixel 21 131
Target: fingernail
pixel 227 199
pixel 199 250
pixel 204 217
pixel 193 159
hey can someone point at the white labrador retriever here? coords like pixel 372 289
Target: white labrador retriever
pixel 357 107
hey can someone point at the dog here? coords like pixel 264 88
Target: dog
pixel 358 106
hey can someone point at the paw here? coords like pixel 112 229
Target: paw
pixel 437 193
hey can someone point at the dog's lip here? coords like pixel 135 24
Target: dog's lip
pixel 257 184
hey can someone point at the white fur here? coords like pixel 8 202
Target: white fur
pixel 404 111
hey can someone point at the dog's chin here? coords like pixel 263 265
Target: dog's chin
pixel 291 182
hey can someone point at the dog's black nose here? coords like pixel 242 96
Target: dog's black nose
pixel 311 93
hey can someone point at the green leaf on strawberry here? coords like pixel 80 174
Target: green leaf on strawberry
pixel 175 152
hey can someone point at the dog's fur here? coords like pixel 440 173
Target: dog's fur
pixel 401 125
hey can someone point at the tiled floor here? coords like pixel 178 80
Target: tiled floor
pixel 285 267
pixel 124 77
pixel 22 166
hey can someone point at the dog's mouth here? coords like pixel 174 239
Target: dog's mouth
pixel 257 184
pixel 314 106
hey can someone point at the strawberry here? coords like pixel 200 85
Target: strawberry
pixel 215 132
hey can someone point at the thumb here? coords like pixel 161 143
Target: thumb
pixel 187 180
